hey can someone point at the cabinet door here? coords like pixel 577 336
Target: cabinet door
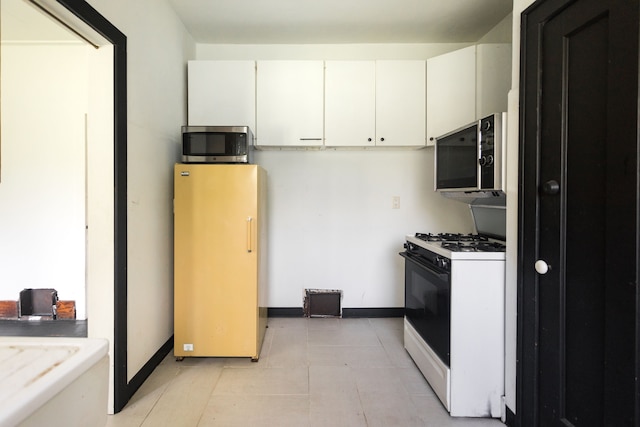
pixel 222 93
pixel 400 103
pixel 451 92
pixel 289 105
pixel 350 103
pixel 493 78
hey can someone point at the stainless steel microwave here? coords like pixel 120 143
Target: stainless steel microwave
pixel 470 159
pixel 217 144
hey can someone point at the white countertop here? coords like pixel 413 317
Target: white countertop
pixel 33 370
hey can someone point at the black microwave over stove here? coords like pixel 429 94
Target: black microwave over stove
pixel 217 144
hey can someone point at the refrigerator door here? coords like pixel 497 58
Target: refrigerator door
pixel 216 260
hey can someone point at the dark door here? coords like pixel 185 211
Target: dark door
pixel 578 214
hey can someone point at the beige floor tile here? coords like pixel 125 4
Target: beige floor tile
pixel 336 410
pixel 350 335
pixel 287 322
pixel 374 379
pixel 323 323
pixel 311 372
pixel 185 398
pixel 288 356
pixel 435 415
pixel 356 356
pixel 327 380
pixel 145 399
pixel 268 381
pixel 334 397
pixel 387 323
pixel 414 384
pixel 256 411
pixel 387 408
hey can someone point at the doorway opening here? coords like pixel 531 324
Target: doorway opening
pixel 99 250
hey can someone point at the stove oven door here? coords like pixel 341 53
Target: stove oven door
pixel 428 304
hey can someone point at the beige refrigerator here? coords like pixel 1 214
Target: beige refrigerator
pixel 220 264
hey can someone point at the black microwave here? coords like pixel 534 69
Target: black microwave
pixel 217 144
pixel 470 158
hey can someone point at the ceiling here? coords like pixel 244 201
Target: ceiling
pixel 339 21
pixel 299 21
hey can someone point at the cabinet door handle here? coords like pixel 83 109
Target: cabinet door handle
pixel 310 139
pixel 249 221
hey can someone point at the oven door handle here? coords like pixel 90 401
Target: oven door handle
pixel 439 274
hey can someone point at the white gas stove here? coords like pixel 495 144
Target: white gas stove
pixel 454 313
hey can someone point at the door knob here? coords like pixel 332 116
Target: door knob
pixel 542 267
pixel 551 187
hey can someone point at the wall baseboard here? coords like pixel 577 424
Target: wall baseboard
pixel 346 312
pixel 511 420
pixel 373 312
pixel 285 312
pixel 148 368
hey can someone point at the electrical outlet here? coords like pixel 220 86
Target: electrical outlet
pixel 187 347
pixel 395 202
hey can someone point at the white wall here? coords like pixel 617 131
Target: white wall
pixel 511 297
pixel 158 48
pixel 332 226
pixel 42 189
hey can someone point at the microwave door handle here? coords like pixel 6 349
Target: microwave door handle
pixel 249 221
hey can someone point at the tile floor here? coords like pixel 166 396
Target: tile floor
pixel 312 372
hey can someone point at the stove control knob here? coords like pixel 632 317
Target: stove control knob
pixel 542 267
pixel 442 262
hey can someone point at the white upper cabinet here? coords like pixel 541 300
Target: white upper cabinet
pixel 375 103
pixel 466 85
pixel 289 103
pixel 400 103
pixel 350 103
pixel 451 91
pixel 222 93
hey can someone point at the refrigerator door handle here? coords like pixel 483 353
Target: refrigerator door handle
pixel 249 221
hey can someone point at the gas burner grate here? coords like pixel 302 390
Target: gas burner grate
pixel 474 246
pixel 451 237
pixel 459 242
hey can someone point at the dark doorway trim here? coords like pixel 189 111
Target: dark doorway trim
pixel 101 25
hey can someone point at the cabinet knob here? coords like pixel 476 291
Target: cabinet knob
pixel 369 139
pixel 381 139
